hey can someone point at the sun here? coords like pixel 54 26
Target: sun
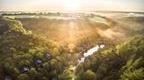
pixel 71 5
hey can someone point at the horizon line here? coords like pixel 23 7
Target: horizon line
pixel 114 11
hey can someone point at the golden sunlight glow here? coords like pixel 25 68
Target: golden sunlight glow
pixel 71 5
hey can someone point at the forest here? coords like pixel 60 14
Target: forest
pixel 50 49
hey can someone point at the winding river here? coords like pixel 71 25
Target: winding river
pixel 89 52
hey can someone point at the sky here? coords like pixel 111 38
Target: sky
pixel 71 5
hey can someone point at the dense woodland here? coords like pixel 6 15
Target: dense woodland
pixel 124 61
pixel 24 55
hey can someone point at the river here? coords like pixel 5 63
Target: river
pixel 89 52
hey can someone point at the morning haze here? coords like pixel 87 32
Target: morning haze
pixel 79 5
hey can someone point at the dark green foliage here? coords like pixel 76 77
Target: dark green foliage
pixel 66 75
pixel 26 56
pixel 123 61
pixel 88 75
pixel 133 70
